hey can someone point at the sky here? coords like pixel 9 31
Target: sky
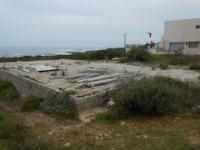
pixel 88 23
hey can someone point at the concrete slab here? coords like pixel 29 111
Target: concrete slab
pixel 89 80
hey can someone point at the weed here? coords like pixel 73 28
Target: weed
pixel 8 92
pixel 11 129
pixel 31 103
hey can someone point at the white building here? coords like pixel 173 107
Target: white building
pixel 182 36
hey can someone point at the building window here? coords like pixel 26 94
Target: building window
pixel 176 46
pixel 197 26
pixel 192 44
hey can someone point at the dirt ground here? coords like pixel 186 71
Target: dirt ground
pixel 178 132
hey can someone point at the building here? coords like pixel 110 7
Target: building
pixel 182 36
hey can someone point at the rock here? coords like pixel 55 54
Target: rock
pixel 122 123
pixel 145 136
pixel 67 144
pixel 110 103
pixel 62 138
pixel 100 134
pixel 51 132
pixel 96 138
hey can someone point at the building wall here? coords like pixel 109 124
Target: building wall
pixel 182 31
pixel 192 51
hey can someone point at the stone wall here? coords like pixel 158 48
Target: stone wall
pixel 24 85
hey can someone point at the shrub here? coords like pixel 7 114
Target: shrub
pixel 195 66
pixel 138 54
pixel 31 103
pixel 7 91
pixel 59 104
pixel 163 66
pixel 158 95
pixel 146 97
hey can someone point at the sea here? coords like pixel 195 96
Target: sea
pixel 43 51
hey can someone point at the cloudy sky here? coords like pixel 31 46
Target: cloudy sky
pixel 88 23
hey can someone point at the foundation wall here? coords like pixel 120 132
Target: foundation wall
pixel 27 87
pixel 23 85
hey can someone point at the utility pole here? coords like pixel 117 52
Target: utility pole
pixel 125 42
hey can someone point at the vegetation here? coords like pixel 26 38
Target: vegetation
pixel 59 104
pixel 176 59
pixel 10 129
pixel 14 135
pixel 138 54
pixel 156 96
pixel 31 103
pixel 146 96
pixel 163 66
pixel 195 66
pixel 89 55
pixel 32 143
pixel 8 92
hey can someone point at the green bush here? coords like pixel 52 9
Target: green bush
pixel 146 97
pixel 163 66
pixel 195 66
pixel 158 95
pixel 138 54
pixel 7 91
pixel 31 103
pixel 59 104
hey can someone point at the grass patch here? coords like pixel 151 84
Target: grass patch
pixel 176 59
pixel 11 128
pixel 8 92
pixel 31 103
pixel 15 136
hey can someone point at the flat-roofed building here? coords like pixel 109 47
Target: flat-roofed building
pixel 182 36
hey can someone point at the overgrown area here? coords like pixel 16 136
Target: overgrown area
pixel 155 96
pixel 14 135
pixel 157 113
pixel 53 103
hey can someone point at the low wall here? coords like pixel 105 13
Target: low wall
pixel 24 85
pixel 27 87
